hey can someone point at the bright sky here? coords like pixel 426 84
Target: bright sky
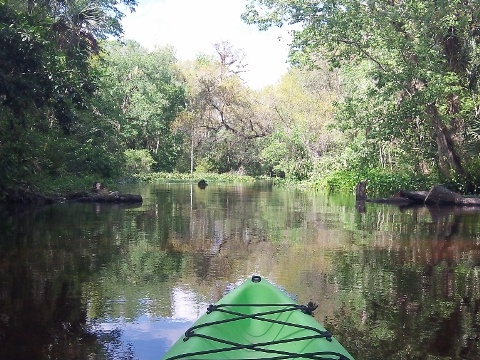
pixel 192 27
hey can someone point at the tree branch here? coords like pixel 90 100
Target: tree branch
pixel 364 52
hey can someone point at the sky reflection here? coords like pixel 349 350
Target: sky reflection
pixel 149 337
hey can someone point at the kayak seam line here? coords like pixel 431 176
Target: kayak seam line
pixel 258 347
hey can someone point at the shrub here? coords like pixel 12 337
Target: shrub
pixel 138 161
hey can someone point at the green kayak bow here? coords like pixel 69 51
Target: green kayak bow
pixel 257 321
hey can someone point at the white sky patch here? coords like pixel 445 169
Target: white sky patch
pixel 186 305
pixel 192 27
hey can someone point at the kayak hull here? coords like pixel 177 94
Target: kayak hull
pixel 257 321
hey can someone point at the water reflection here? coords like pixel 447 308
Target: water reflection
pixel 113 282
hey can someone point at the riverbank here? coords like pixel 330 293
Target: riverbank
pixel 84 189
pixel 380 182
pixel 97 194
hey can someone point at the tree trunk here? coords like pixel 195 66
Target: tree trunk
pixel 447 158
pixel 361 191
pixel 191 153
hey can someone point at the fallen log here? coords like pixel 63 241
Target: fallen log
pixel 401 201
pixel 28 196
pixel 442 196
pixel 110 198
pixel 469 201
pixel 437 195
pixel 415 196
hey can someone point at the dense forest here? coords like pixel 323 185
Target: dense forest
pixel 381 90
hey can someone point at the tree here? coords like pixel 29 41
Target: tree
pixel 222 120
pixel 46 78
pixel 301 108
pixel 423 62
pixel 142 93
pixel 46 49
pixel 222 99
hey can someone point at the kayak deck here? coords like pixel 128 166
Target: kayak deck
pixel 257 321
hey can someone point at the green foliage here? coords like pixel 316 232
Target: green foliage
pixel 286 154
pixel 47 83
pixel 138 161
pixel 17 156
pixel 145 93
pixel 70 183
pixel 380 181
pixel 223 152
pixel 469 182
pixel 338 181
pixel 223 120
pixel 382 91
pixel 388 183
pixel 203 166
pixel 411 70
pixel 179 177
pixel 303 136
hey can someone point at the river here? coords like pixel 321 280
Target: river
pixel 95 281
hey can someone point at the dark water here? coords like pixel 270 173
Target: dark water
pixel 117 282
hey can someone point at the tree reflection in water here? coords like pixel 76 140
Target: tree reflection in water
pixel 42 315
pixel 391 283
pixel 418 298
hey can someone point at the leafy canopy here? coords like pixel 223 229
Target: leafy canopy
pixel 423 65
